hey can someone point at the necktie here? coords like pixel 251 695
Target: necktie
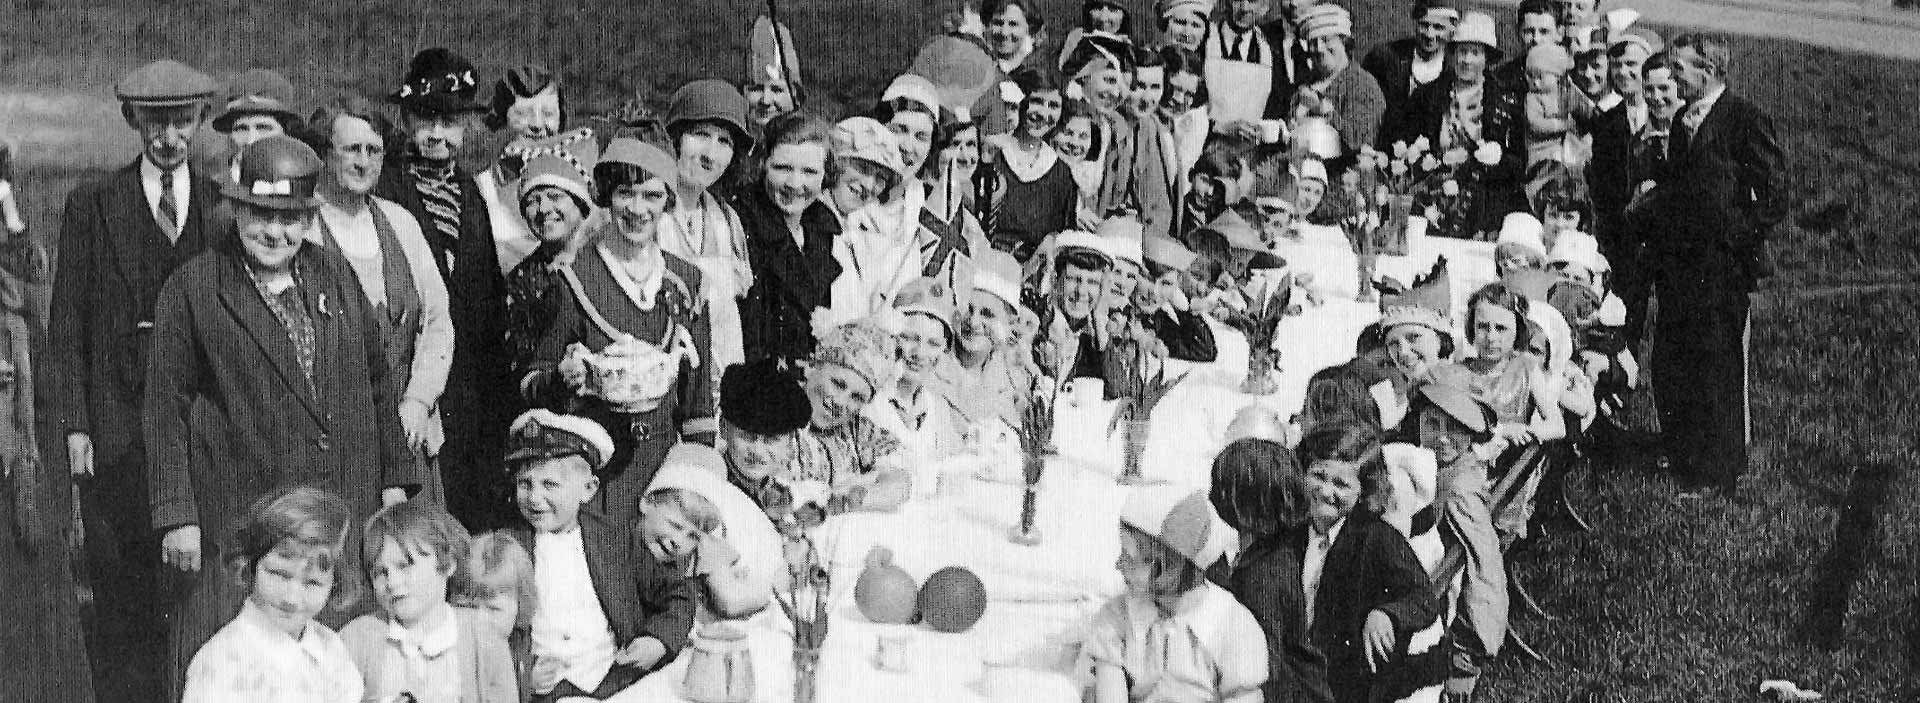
pixel 168 216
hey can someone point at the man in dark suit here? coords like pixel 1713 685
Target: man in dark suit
pixel 1253 65
pixel 1539 25
pixel 1404 64
pixel 120 237
pixel 1615 174
pixel 436 101
pixel 608 611
pixel 1726 188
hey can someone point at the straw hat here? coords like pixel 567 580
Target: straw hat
pixel 1478 28
pixel 1581 250
pixel 1523 229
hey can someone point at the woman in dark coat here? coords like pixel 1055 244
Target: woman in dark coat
pixel 790 237
pixel 267 370
pixel 627 304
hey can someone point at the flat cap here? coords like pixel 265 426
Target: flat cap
pixel 165 83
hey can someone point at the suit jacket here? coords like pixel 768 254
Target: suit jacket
pixel 1727 187
pixel 1136 172
pixel 1392 67
pixel 1371 567
pixel 113 260
pixel 788 284
pixel 487 670
pixel 1612 176
pixel 229 413
pixel 640 596
pixel 479 381
pixel 1266 579
pixel 1187 336
pixel 1501 120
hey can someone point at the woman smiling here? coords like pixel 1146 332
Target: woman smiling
pixel 790 239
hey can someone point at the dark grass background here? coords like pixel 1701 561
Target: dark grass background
pixel 1667 601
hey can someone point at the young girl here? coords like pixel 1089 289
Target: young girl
pixel 1077 141
pixel 1515 384
pixel 1447 421
pixel 498 584
pixel 1260 490
pixel 420 648
pixel 684 531
pixel 1174 636
pixel 1520 246
pixel 1561 203
pixel 286 554
pixel 1367 592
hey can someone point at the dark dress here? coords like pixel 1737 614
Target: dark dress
pixel 1187 336
pixel 1497 189
pixel 479 402
pixel 1031 210
pixel 641 439
pixel 776 316
pixel 1266 579
pixel 1371 567
pixel 242 402
pixel 535 290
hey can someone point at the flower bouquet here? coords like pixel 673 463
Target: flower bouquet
pixel 805 604
pixel 1260 323
pixel 1036 444
pixel 1139 393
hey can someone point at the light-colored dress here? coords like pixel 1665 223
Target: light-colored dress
pixel 1211 649
pixel 247 660
pixel 708 234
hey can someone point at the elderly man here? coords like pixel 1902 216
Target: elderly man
pixel 120 237
pixel 436 101
pixel 1726 188
pixel 1402 65
pixel 383 245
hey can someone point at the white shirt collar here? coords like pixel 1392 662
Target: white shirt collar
pixel 644 292
pixel 1328 538
pixel 1697 112
pixel 182 189
pixel 430 643
pixel 309 641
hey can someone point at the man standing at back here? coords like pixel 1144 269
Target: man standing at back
pixel 1726 189
pixel 1539 25
pixel 1253 66
pixel 120 237
pixel 436 103
pixel 1404 64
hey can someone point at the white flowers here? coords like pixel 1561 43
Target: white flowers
pixel 1488 154
pixel 1450 188
pixel 1455 156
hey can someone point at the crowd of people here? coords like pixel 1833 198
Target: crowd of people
pixel 522 407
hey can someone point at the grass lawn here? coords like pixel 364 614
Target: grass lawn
pixel 1666 602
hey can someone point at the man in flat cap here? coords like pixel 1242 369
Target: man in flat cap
pixel 120 237
pixel 436 104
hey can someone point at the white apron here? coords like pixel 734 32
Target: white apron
pixel 1237 90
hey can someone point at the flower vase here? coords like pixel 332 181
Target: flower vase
pixel 1363 268
pixel 806 666
pixel 1390 239
pixel 1136 450
pixel 1026 532
pixel 1259 380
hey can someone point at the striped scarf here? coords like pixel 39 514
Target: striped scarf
pixel 440 195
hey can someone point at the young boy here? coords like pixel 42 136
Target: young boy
pixel 608 612
pixel 1161 303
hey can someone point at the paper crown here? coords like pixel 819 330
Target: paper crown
pixel 1180 518
pixel 1166 251
pixel 865 139
pixel 1237 231
pixel 926 296
pixel 772 57
pixel 563 161
pixel 544 434
pixel 998 273
pixel 960 71
pixel 1532 284
pixel 1426 303
pixel 1579 249
pixel 866 347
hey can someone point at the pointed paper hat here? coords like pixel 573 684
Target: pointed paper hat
pixel 1181 518
pixel 1237 231
pixel 1166 251
pixel 1425 303
pixel 961 72
pixel 770 56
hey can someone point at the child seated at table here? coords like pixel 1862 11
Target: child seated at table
pixel 1521 245
pixel 684 531
pixel 1173 635
pixel 608 612
pixel 287 555
pixel 1367 592
pixel 1260 491
pixel 1160 302
pixel 419 647
pixel 1560 200
pixel 1445 419
pixel 843 450
pixel 1597 316
pixel 498 586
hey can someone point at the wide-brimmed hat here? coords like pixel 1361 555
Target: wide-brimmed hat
pixel 257 91
pixel 278 173
pixel 1167 252
pixel 865 139
pixel 1181 518
pixel 1478 28
pixel 544 434
pixel 165 83
pixel 439 82
pixel 1239 233
pixel 764 397
pixel 710 100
